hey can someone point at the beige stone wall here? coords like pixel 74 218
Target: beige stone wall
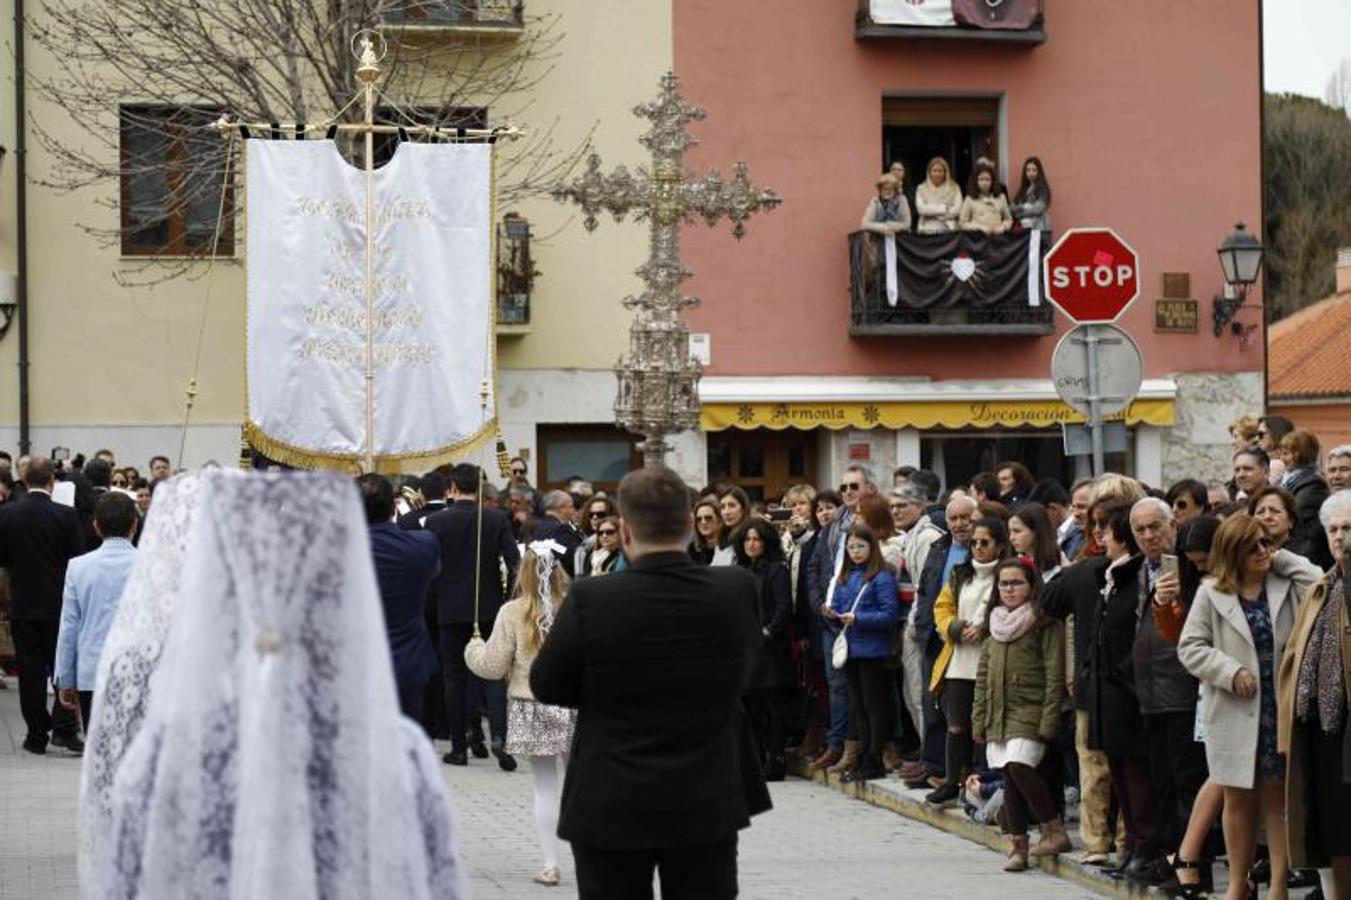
pixel 1198 444
pixel 105 355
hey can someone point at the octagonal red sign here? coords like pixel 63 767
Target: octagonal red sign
pixel 1092 275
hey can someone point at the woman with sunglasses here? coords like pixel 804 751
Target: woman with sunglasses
pixel 959 616
pixel 708 531
pixel 1232 641
pixel 1020 683
pixel 606 556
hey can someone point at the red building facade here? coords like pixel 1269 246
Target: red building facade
pixel 1146 117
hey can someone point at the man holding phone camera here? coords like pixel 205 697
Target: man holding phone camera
pixel 1166 690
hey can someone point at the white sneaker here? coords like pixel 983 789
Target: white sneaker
pixel 549 877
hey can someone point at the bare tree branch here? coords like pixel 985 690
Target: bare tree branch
pixel 160 70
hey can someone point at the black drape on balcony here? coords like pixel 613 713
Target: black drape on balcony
pixel 955 269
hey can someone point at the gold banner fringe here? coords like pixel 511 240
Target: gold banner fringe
pixel 302 458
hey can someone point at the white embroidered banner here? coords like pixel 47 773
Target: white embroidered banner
pixel 927 13
pixel 432 328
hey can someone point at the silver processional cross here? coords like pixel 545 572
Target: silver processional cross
pixel 658 382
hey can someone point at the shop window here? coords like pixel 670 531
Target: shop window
pixel 602 454
pixel 957 456
pixel 959 129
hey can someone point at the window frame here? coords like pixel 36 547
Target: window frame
pixel 596 433
pixel 177 245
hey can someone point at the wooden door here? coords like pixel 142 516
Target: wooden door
pixel 765 463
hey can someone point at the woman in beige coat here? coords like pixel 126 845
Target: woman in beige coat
pixel 1233 639
pixel 1315 683
pixel 534 729
pixel 938 200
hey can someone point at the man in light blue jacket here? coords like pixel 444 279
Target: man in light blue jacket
pixel 94 584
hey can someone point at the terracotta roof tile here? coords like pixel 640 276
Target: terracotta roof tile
pixel 1309 353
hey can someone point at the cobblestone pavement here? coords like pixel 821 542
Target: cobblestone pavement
pixel 816 842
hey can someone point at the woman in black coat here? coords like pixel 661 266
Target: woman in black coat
pixel 759 550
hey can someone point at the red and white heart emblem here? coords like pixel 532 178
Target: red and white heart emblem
pixel 963 267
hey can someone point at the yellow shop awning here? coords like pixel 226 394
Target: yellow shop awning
pixel 921 414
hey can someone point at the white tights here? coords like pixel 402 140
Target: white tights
pixel 548 774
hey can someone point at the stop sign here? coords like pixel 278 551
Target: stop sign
pixel 1092 275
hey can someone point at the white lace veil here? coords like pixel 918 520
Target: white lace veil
pixel 272 760
pixel 131 654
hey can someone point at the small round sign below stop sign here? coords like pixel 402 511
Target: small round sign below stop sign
pixel 1092 275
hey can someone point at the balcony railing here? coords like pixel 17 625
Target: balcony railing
pixel 866 27
pixel 503 17
pixel 960 282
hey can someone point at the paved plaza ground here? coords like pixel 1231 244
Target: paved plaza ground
pixel 815 844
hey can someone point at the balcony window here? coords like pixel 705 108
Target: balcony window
pixel 950 283
pixel 477 15
pixel 959 129
pixel 440 117
pixel 170 183
pixel 515 271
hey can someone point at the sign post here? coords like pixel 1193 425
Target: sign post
pixel 1092 275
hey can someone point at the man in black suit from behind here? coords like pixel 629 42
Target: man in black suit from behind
pixel 464 551
pixel 37 538
pixel 655 660
pixel 433 488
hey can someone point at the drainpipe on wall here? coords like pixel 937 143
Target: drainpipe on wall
pixel 21 220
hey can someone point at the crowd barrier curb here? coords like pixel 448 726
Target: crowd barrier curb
pixel 890 794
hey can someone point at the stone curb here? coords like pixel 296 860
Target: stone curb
pixel 888 793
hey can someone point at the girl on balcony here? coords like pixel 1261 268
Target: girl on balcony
pixel 983 209
pixel 938 200
pixel 889 212
pixel 1032 204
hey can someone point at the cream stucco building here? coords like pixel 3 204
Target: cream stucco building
pixel 110 363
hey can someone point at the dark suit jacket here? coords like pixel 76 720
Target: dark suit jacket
pixel 456 529
pixel 548 528
pixel 417 519
pixel 37 538
pixel 655 659
pixel 1307 537
pixel 405 563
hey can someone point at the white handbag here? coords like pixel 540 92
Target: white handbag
pixel 839 651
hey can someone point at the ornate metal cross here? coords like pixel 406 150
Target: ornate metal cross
pixel 658 382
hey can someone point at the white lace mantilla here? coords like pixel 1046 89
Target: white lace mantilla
pixel 270 758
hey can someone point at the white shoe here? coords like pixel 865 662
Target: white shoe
pixel 549 877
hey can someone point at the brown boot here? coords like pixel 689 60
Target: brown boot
pixel 1017 861
pixel 1053 841
pixel 891 760
pixel 813 742
pixel 849 760
pixel 829 757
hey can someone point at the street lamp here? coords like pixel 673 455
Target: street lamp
pixel 1241 260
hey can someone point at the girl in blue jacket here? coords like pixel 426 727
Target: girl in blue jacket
pixel 865 600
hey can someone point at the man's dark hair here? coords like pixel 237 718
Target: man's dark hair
pixel 99 472
pixel 138 483
pixel 987 484
pixel 1048 491
pixel 906 472
pixel 1257 453
pixel 163 459
pixel 434 486
pixel 655 504
pixel 465 478
pixel 115 514
pixel 4 454
pixel 377 496
pixel 40 472
pixel 1191 487
pixel 929 482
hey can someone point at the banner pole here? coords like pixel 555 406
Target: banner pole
pixel 368 72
